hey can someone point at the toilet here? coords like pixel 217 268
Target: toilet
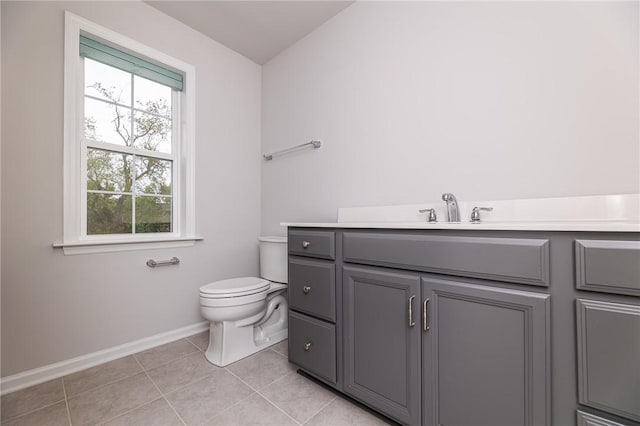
pixel 248 314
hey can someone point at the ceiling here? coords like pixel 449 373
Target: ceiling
pixel 258 30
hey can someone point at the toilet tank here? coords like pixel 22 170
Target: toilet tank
pixel 273 259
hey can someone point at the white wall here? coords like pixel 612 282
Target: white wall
pixel 56 307
pixel 488 101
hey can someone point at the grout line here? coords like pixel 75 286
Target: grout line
pixel 279 353
pixel 143 370
pixel 165 398
pixel 194 345
pixel 106 383
pixel 240 378
pixel 127 412
pixel 139 363
pixel 257 391
pixel 333 396
pixel 31 411
pixel 66 401
pixel 206 376
pixel 237 403
pixel 166 363
pixel 280 379
pixel 321 408
pixel 134 408
pixel 276 405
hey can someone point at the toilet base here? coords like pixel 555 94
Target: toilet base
pixel 230 342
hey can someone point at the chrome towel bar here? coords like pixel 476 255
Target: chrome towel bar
pixel 153 263
pixel 316 144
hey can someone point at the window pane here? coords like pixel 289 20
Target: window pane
pixel 106 122
pixel 152 133
pixel 105 82
pixel 151 96
pixel 153 214
pixel 153 176
pixel 108 171
pixel 108 214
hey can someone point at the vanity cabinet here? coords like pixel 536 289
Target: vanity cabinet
pixel 441 327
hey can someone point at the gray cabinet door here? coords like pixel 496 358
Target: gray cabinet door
pixel 485 355
pixel 609 357
pixel 382 341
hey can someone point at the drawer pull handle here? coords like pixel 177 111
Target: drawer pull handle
pixel 411 321
pixel 307 346
pixel 306 289
pixel 425 317
pixel 306 244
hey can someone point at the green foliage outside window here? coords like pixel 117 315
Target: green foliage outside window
pixel 122 186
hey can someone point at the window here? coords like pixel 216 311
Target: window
pixel 128 143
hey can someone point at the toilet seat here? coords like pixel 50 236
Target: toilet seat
pixel 234 287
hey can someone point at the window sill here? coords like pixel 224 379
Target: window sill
pixel 93 246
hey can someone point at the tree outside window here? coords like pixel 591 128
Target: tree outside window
pixel 129 152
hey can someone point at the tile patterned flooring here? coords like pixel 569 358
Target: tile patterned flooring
pixel 174 384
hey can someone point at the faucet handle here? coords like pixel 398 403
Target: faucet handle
pixel 432 214
pixel 475 213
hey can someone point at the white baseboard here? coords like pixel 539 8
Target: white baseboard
pixel 53 371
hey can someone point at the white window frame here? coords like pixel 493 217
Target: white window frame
pixel 75 240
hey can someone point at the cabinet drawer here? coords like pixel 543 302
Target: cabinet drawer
pixel 312 345
pixel 608 357
pixel 312 243
pixel 515 260
pixel 312 287
pixel 608 266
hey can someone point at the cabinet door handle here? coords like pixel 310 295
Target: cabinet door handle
pixel 307 346
pixel 306 289
pixel 425 317
pixel 306 244
pixel 411 321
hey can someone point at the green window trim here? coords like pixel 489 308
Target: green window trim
pixel 97 51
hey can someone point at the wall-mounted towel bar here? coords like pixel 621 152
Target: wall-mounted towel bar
pixel 315 144
pixel 153 263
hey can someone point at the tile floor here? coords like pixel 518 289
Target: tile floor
pixel 173 384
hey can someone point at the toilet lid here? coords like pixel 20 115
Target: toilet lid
pixel 234 287
pixel 273 239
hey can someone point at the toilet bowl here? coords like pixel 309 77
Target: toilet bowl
pixel 248 314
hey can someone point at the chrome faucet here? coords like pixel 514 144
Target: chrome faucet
pixel 453 215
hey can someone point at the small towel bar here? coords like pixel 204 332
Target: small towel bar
pixel 153 263
pixel 316 144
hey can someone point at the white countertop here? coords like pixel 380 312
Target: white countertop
pixel 602 213
pixel 496 226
